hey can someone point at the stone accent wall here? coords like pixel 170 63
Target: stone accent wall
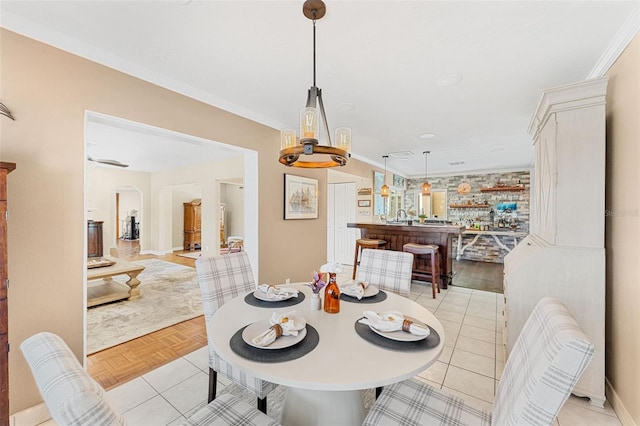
pixel 485 249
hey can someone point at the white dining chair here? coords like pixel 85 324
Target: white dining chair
pixel 386 269
pixel 75 399
pixel 545 363
pixel 221 279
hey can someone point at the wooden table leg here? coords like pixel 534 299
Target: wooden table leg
pixel 133 283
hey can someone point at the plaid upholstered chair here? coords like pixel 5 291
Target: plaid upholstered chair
pixel 75 399
pixel 387 270
pixel 547 360
pixel 221 279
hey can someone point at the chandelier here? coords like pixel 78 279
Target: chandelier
pixel 319 156
pixel 426 186
pixel 384 191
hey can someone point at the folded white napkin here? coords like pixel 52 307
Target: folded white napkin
pixel 287 324
pixel 277 293
pixel 355 290
pixel 393 321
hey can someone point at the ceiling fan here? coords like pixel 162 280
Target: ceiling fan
pixel 107 162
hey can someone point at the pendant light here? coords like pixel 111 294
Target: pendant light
pixel 426 186
pixel 320 156
pixel 384 191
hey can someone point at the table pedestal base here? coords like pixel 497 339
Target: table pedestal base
pixel 330 408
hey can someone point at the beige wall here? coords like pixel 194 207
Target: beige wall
pixel 48 91
pixel 623 233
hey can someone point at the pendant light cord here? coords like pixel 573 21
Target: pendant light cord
pixel 314 48
pixel 426 154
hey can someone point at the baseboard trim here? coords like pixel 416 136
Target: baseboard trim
pixel 31 416
pixel 617 405
pixel 156 253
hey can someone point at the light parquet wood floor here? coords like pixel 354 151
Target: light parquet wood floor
pixel 122 363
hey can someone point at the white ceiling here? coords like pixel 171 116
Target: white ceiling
pixel 383 58
pixel 145 148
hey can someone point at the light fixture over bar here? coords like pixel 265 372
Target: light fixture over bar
pixel 293 152
pixel 384 190
pixel 426 186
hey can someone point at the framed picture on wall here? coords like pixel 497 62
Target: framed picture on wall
pixel 300 197
pixel 364 203
pixel 399 181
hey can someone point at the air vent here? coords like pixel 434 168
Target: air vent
pixel 401 154
pixel 456 163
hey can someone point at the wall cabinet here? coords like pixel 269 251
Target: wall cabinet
pixel 564 256
pixel 192 225
pixel 5 169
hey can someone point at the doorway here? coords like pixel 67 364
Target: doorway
pixel 231 214
pixel 167 159
pixel 128 211
pixel 341 209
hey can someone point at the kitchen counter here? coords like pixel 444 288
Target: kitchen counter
pixel 398 234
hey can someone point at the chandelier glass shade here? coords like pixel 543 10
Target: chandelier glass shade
pixel 306 151
pixel 384 190
pixel 426 186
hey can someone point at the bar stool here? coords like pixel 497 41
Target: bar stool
pixel 434 272
pixel 365 243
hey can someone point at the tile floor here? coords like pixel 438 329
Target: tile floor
pixel 470 367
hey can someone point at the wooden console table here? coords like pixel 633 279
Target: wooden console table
pixel 102 288
pixel 398 235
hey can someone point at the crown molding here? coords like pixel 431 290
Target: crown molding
pixel 625 34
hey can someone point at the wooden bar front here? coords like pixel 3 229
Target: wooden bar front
pixel 398 235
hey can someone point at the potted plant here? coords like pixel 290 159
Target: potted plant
pixel 422 217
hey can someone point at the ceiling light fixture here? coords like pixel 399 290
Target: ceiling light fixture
pixel 107 161
pixel 384 190
pixel 290 148
pixel 426 186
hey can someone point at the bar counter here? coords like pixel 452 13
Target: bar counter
pixel 397 235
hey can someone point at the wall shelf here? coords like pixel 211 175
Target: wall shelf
pixel 469 206
pixel 502 188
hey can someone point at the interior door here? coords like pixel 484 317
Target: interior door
pixel 341 205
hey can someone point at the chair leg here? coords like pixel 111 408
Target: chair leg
pixel 355 262
pixel 434 280
pixel 262 404
pixel 439 277
pixel 378 391
pixel 213 382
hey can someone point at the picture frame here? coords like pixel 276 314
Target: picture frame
pixel 300 197
pixel 364 203
pixel 364 191
pixel 399 181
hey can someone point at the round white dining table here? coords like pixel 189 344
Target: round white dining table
pixel 323 386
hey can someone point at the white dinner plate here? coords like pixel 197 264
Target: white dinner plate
pixel 263 296
pixel 401 336
pixel 370 291
pixel 257 328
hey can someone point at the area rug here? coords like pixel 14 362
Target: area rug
pixel 169 294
